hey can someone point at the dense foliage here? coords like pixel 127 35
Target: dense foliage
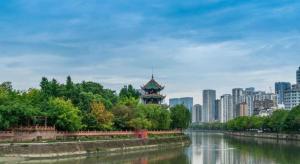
pixel 279 121
pixel 181 117
pixel 84 106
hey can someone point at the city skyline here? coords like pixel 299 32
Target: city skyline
pixel 192 45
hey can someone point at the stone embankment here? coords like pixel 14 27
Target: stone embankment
pixel 58 149
pixel 279 136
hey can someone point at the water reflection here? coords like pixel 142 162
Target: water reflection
pixel 220 149
pixel 206 148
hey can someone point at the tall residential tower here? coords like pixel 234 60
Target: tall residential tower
pixel 237 98
pixel 209 105
pixel 226 108
pixel 298 76
pixel 280 89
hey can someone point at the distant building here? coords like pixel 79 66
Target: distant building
pixel 292 98
pixel 280 89
pixel 174 101
pixel 209 105
pixel 298 76
pixel 217 109
pixel 197 113
pixel 260 105
pixel 265 112
pixel 249 91
pixel 237 98
pixel 186 101
pixel 249 98
pixel 243 109
pixel 226 108
pixel 152 92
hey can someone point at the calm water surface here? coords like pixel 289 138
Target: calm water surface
pixel 206 148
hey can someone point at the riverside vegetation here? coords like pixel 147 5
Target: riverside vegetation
pixel 85 106
pixel 281 121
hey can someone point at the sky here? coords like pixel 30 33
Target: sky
pixel 191 45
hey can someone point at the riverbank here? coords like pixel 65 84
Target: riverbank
pixel 278 136
pixel 64 149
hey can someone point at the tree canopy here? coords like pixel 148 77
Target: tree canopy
pixel 181 117
pixel 86 105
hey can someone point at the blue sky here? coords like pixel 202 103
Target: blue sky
pixel 192 45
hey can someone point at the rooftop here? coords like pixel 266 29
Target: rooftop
pixel 152 84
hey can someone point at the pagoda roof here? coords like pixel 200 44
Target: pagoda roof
pixel 152 84
pixel 153 96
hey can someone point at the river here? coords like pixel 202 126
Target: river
pixel 206 148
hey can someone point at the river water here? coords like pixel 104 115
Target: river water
pixel 206 148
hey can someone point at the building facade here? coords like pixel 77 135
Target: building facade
pixel 280 89
pixel 188 102
pixel 249 98
pixel 197 113
pixel 237 98
pixel 226 108
pixel 292 98
pixel 261 105
pixel 209 105
pixel 217 109
pixel 243 109
pixel 298 76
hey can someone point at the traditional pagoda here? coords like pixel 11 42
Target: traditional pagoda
pixel 152 92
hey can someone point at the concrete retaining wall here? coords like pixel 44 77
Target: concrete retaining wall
pixel 82 148
pixel 266 135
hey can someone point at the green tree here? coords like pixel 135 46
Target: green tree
pixel 181 117
pixel 104 118
pixel 7 85
pixel 277 120
pixel 293 120
pixel 129 92
pixel 139 123
pixel 122 115
pixel 64 115
pixel 159 117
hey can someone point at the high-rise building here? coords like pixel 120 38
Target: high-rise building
pixel 237 98
pixel 226 108
pixel 174 101
pixel 280 88
pixel 197 113
pixel 243 109
pixel 249 91
pixel 217 110
pixel 298 76
pixel 292 98
pixel 209 105
pixel 186 101
pixel 249 98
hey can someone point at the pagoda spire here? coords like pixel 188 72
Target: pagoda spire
pixel 152 77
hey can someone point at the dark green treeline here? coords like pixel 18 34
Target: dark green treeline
pixel 85 106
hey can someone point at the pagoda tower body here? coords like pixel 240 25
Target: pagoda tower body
pixel 152 92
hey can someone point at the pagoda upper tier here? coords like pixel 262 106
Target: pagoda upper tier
pixel 152 92
pixel 152 85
